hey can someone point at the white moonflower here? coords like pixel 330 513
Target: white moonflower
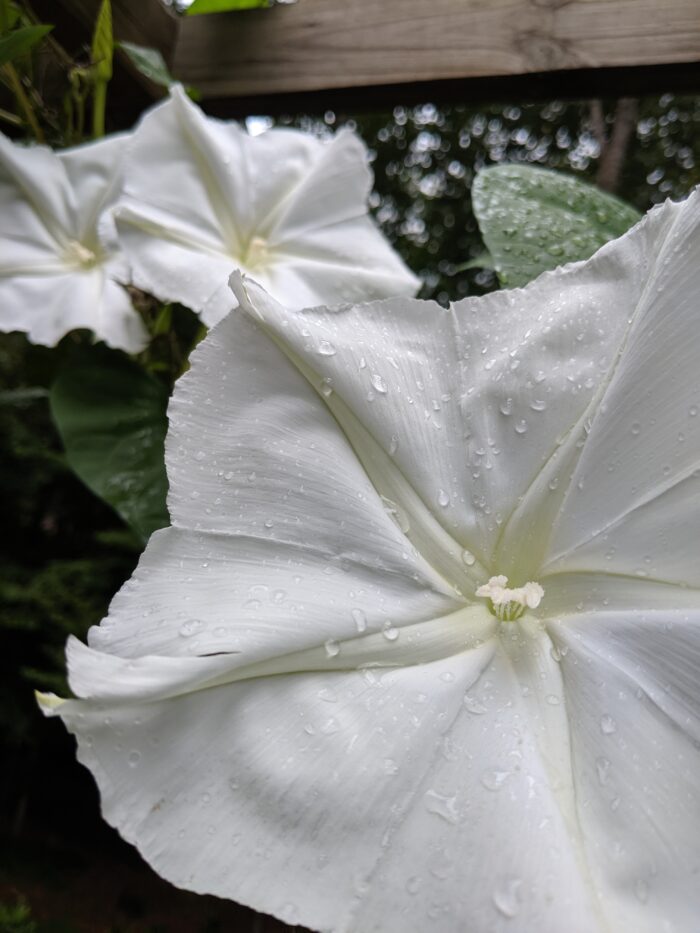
pixel 60 264
pixel 202 197
pixel 304 701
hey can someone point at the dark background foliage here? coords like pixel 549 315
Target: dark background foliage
pixel 63 553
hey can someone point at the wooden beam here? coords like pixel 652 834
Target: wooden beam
pixel 316 47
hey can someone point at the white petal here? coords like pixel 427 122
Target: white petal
pixel 51 207
pixel 46 307
pixel 94 171
pixel 306 797
pixel 253 450
pixel 633 504
pixel 37 204
pixel 220 199
pixel 634 706
pixel 430 387
pixel 262 597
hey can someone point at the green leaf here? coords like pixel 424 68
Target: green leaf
pixel 533 219
pixel 149 62
pixel 20 41
pixel 102 50
pixel 111 417
pixel 225 6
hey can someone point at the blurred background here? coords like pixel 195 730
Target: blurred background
pixel 64 553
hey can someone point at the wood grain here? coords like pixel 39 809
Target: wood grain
pixel 317 45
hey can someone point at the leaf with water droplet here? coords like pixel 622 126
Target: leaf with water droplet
pixel 565 219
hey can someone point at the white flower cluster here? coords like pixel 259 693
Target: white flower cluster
pixel 193 199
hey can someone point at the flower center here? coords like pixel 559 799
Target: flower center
pixel 509 604
pixel 79 254
pixel 256 255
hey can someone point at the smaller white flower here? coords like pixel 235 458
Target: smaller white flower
pixel 60 265
pixel 203 197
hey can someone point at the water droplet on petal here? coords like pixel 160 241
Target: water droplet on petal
pixel 607 724
pixel 332 648
pixel 389 632
pixel 134 759
pixel 474 706
pixel 494 780
pixel 326 348
pixel 443 498
pixel 603 768
pixel 443 805
pixel 379 384
pixel 506 897
pixel 521 426
pixel 360 620
pixel 468 558
pixel 191 627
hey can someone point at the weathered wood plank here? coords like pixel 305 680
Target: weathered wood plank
pixel 319 45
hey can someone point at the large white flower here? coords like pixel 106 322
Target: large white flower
pixel 202 197
pixel 60 264
pixel 301 702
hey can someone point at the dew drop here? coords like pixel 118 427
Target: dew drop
pixel 191 627
pixel 494 780
pixel 602 766
pixel 326 348
pixel 474 706
pixel 134 758
pixel 378 384
pixel 506 897
pixel 636 427
pixel 389 632
pixel 468 558
pixel 360 620
pixel 393 445
pixel 607 724
pixel 413 884
pixel 521 426
pixel 442 805
pixel 332 648
pixel 443 498
pixel 506 406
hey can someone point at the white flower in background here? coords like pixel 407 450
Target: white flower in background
pixel 304 701
pixel 202 198
pixel 59 261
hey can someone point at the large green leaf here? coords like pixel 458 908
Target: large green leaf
pixel 19 42
pixel 225 6
pixel 111 417
pixel 533 219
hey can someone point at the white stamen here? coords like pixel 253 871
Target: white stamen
pixel 509 604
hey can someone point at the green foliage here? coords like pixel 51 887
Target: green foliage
pixel 16 918
pixel 224 6
pixel 102 54
pixel 111 417
pixel 152 65
pixel 149 62
pixel 102 50
pixel 533 219
pixel 18 43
